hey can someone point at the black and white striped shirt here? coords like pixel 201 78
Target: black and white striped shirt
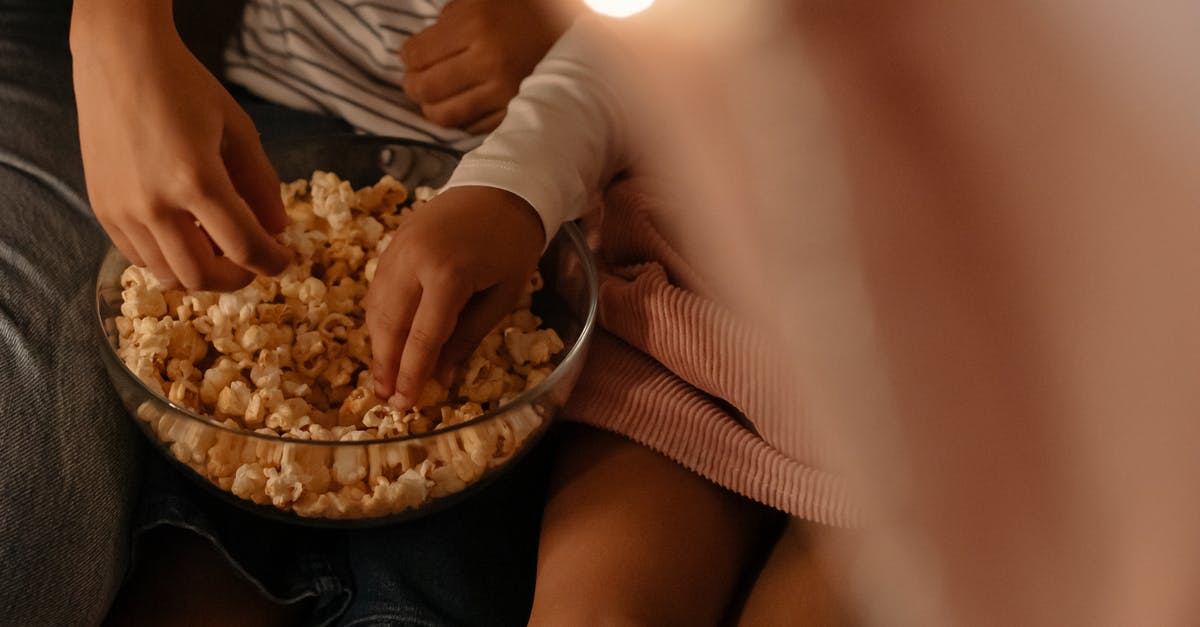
pixel 340 58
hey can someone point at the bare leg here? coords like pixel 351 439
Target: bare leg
pixel 799 585
pixel 180 580
pixel 632 538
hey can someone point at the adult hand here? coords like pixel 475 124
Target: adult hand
pixel 465 68
pixel 449 274
pixel 175 170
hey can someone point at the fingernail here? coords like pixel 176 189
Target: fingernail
pixel 400 401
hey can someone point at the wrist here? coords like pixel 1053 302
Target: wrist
pixel 525 214
pixel 104 28
pixel 519 219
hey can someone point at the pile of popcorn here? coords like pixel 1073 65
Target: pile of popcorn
pixel 287 357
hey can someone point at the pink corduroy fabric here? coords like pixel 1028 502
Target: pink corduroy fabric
pixel 674 370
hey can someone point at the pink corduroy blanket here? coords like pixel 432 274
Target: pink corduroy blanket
pixel 672 369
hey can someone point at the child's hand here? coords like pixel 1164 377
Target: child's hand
pixel 449 274
pixel 173 165
pixel 465 68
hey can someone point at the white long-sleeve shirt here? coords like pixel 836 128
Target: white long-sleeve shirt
pixel 564 136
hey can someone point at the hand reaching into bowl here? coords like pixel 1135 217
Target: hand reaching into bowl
pixel 175 170
pixel 450 273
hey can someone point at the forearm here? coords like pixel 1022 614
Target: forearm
pixel 98 26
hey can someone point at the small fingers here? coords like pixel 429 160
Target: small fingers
pixel 390 304
pixel 448 77
pixel 432 325
pixel 431 45
pixel 468 107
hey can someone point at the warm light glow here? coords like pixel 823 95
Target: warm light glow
pixel 619 8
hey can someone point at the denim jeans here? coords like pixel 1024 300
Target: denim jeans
pixel 472 564
pixel 72 496
pixel 68 455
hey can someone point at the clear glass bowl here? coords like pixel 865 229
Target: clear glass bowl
pixel 462 458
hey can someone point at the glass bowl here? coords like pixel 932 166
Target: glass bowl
pixel 364 482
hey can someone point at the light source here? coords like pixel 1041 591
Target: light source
pixel 619 8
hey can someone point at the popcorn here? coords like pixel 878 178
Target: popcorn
pixel 432 394
pixel 311 290
pixel 536 376
pixel 253 337
pixel 463 413
pixel 309 465
pixel 288 357
pixel 225 457
pixel 234 399
pixel 335 326
pixel 139 301
pixel 261 400
pixel 383 196
pixel 150 340
pixel 483 381
pixel 349 462
pixel 524 320
pixel 134 276
pixel 424 193
pixel 371 230
pixel 291 413
pixel 343 296
pixel 355 407
pixel 186 342
pixel 224 372
pixel 369 269
pixel 339 372
pixel 308 345
pixel 250 483
pixel 390 422
pixel 182 370
pixel 184 393
pixel 283 488
pixel 533 346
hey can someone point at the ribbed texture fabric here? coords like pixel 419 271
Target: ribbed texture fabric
pixel 677 372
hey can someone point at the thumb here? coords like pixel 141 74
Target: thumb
pixel 251 172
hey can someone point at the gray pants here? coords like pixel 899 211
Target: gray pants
pixel 69 458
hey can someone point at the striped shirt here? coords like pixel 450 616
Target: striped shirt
pixel 339 58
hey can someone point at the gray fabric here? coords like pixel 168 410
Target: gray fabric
pixel 68 456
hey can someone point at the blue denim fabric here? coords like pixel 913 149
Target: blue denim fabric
pixel 68 455
pixel 472 564
pixel 70 460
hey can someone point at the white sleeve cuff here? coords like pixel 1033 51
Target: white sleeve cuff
pixel 526 182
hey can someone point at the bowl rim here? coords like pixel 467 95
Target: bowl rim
pixel 359 138
pixel 526 397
